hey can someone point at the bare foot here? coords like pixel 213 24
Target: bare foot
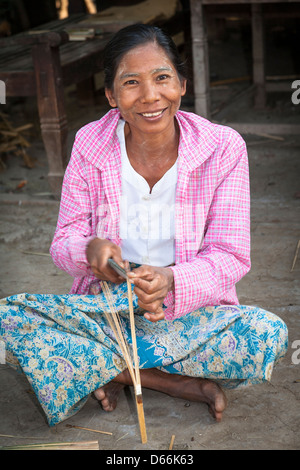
pixel 214 396
pixel 108 395
pixel 188 388
pixel 178 386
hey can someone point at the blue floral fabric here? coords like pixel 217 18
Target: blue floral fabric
pixel 66 348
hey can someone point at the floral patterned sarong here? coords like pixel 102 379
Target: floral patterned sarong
pixel 64 345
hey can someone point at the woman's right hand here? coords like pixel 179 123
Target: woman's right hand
pixel 98 252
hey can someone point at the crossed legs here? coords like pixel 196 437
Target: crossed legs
pixel 187 388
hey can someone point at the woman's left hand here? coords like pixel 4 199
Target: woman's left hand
pixel 151 285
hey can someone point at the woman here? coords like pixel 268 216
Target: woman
pixel 167 191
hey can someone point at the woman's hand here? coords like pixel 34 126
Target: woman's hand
pixel 151 285
pixel 98 252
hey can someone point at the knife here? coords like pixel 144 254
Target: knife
pixel 117 268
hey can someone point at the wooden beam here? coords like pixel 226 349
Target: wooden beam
pixel 258 56
pixel 200 60
pixel 19 83
pixel 261 128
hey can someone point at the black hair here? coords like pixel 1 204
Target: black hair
pixel 135 35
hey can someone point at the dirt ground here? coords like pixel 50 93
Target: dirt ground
pixel 260 417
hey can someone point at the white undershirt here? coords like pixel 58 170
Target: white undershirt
pixel 147 223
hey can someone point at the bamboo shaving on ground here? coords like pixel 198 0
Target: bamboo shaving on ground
pixel 84 445
pixel 19 437
pixel 36 253
pixel 296 255
pixel 88 429
pixel 172 442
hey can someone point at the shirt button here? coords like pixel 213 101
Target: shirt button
pixel 146 198
pixel 145 259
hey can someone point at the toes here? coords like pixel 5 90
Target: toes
pixel 216 399
pixel 215 414
pixel 218 416
pixel 99 394
pixel 106 405
pixel 106 398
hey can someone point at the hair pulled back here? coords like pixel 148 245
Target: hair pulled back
pixel 133 36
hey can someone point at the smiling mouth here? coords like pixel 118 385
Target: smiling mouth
pixel 151 115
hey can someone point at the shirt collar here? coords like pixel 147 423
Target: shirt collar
pixel 197 141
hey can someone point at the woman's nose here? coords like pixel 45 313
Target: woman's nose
pixel 150 93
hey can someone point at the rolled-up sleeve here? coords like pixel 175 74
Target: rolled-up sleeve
pixel 73 231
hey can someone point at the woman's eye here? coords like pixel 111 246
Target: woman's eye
pixel 130 82
pixel 162 77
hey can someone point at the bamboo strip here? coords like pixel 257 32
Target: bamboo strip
pixel 296 255
pixel 172 442
pixel 115 324
pixel 84 445
pixel 88 429
pixel 35 253
pixel 19 437
pixel 138 388
pixel 141 417
pixel 133 335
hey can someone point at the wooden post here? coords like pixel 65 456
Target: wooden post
pixel 258 55
pixel 51 106
pixel 200 60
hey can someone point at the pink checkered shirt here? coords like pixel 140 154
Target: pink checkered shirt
pixel 212 221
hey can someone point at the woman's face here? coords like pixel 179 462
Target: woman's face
pixel 147 89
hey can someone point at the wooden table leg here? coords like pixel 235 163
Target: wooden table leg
pixel 51 105
pixel 258 56
pixel 200 60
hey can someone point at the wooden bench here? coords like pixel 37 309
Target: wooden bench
pixel 41 63
pixel 201 63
